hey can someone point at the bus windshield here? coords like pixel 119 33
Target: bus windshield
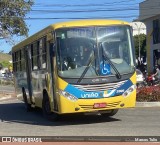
pixel 103 51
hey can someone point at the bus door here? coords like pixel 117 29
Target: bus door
pixel 52 60
pixel 28 72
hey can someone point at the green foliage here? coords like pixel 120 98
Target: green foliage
pixel 5 57
pixel 6 64
pixel 12 14
pixel 142 38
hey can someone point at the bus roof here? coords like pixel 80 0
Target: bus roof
pixel 83 23
pixel 76 23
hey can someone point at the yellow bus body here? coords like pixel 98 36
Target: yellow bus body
pixel 65 105
pixel 86 105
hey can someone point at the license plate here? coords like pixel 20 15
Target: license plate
pixel 99 105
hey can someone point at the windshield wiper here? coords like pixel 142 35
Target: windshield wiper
pixel 91 59
pixel 118 75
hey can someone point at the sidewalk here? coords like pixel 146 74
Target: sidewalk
pixel 6 92
pixel 5 96
pixel 147 104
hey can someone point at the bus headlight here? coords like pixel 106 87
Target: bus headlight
pixel 129 91
pixel 67 95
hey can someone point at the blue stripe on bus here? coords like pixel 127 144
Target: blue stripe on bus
pixel 123 88
pixel 95 94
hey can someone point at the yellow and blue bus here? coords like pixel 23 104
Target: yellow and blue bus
pixel 83 66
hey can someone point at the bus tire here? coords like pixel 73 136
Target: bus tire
pixel 112 113
pixel 27 105
pixel 46 109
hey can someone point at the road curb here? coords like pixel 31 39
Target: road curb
pixel 147 104
pixel 138 104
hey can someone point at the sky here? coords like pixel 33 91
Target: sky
pixel 46 12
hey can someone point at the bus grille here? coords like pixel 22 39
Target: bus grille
pixel 100 87
pixel 109 105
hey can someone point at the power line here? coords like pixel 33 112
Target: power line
pixel 102 17
pixel 80 11
pixel 96 5
pixel 83 5
pixel 117 9
pixel 89 17
pixel 93 10
pixel 112 16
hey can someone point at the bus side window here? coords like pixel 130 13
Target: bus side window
pixel 23 64
pixel 15 62
pixel 13 59
pixel 42 53
pixel 18 60
pixel 34 56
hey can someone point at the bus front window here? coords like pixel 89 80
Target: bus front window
pixel 74 49
pixel 115 45
pixel 110 45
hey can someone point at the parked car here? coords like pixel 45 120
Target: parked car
pixel 140 78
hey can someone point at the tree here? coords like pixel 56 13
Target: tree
pixel 142 38
pixel 6 64
pixel 12 17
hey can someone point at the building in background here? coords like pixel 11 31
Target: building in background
pixel 150 15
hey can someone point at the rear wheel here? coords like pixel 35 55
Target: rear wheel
pixel 112 113
pixel 46 109
pixel 27 105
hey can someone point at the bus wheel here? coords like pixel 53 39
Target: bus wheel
pixel 112 113
pixel 46 109
pixel 27 105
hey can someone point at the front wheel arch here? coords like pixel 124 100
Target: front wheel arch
pixel 46 108
pixel 112 113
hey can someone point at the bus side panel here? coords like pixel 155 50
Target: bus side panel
pixel 20 81
pixel 41 78
pixel 38 85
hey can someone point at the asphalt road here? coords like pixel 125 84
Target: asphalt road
pixel 15 121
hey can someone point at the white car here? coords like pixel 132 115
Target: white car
pixel 2 73
pixel 139 76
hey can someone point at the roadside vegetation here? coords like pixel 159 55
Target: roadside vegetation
pixel 148 94
pixel 4 59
